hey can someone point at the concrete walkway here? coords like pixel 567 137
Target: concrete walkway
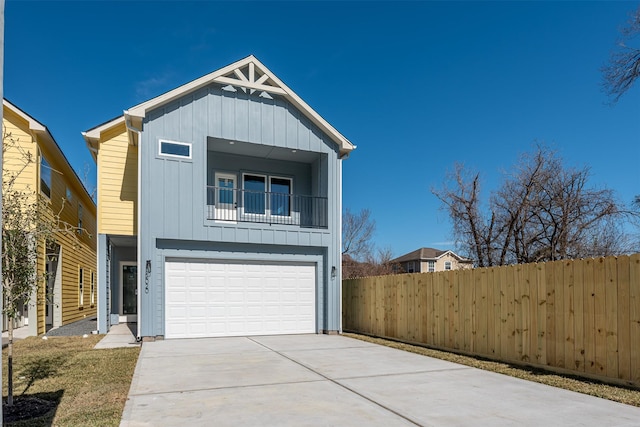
pixel 310 380
pixel 120 335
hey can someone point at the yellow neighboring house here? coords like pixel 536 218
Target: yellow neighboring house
pixel 71 261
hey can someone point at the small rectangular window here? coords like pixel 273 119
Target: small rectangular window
pixel 175 149
pixel 68 195
pixel 79 219
pixel 80 286
pixel 447 265
pixel 45 177
pixel 93 289
pixel 432 266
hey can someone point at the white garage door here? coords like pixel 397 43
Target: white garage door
pixel 222 299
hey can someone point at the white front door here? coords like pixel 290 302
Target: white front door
pixel 209 298
pixel 226 197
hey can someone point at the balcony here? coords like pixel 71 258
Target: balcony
pixel 241 205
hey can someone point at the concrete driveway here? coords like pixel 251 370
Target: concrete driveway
pixel 328 380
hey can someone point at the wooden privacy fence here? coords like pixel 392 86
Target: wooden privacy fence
pixel 575 316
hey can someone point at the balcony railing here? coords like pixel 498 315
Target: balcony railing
pixel 238 205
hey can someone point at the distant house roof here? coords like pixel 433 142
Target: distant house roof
pixel 248 74
pixel 427 254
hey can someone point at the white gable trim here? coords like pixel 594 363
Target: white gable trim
pixel 248 73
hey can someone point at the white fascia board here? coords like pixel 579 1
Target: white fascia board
pixel 34 125
pixel 96 131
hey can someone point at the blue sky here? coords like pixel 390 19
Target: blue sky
pixel 416 86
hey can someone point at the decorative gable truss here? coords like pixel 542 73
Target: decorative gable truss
pixel 252 78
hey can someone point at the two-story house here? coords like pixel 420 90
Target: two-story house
pixel 219 210
pixel 69 289
pixel 426 260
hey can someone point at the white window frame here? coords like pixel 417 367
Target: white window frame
pixel 448 264
pixel 217 206
pixel 432 266
pixel 284 178
pixel 43 161
pixel 266 189
pixel 80 214
pixel 80 286
pixel 93 288
pixel 175 156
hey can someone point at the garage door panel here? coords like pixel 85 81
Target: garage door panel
pixel 209 298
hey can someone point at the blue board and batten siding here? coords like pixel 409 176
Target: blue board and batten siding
pixel 173 218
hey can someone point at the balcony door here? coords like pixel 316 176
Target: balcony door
pixel 226 202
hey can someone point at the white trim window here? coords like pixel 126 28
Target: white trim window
pixel 447 265
pixel 93 289
pixel 254 189
pixel 432 266
pixel 45 177
pixel 80 286
pixel 179 150
pixel 79 218
pixel 281 190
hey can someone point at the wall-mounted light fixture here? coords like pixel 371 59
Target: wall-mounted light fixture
pixel 333 272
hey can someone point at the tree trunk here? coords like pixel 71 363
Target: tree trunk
pixel 10 366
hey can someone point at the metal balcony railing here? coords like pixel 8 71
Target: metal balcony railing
pixel 238 205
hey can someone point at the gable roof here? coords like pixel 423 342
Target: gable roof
pixel 248 74
pixel 427 254
pixel 47 138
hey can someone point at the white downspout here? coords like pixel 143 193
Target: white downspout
pixel 141 264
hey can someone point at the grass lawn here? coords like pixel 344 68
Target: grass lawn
pixel 581 385
pixel 87 387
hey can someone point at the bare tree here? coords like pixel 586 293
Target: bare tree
pixel 374 265
pixel 357 234
pixel 624 63
pixel 28 227
pixel 543 211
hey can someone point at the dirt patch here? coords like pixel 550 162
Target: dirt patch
pixel 26 408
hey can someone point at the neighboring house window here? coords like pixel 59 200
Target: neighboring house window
pixel 447 265
pixel 410 267
pixel 432 266
pixel 80 286
pixel 255 187
pixel 79 219
pixel 174 149
pixel 93 289
pixel 281 189
pixel 45 177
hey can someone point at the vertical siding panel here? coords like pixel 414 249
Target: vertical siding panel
pixel 304 134
pixel 227 110
pixel 172 189
pixel 611 316
pixel 280 122
pixel 242 116
pixel 184 208
pixel 186 119
pixel 291 127
pixel 267 120
pixel 255 119
pixel 624 319
pixel 214 112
